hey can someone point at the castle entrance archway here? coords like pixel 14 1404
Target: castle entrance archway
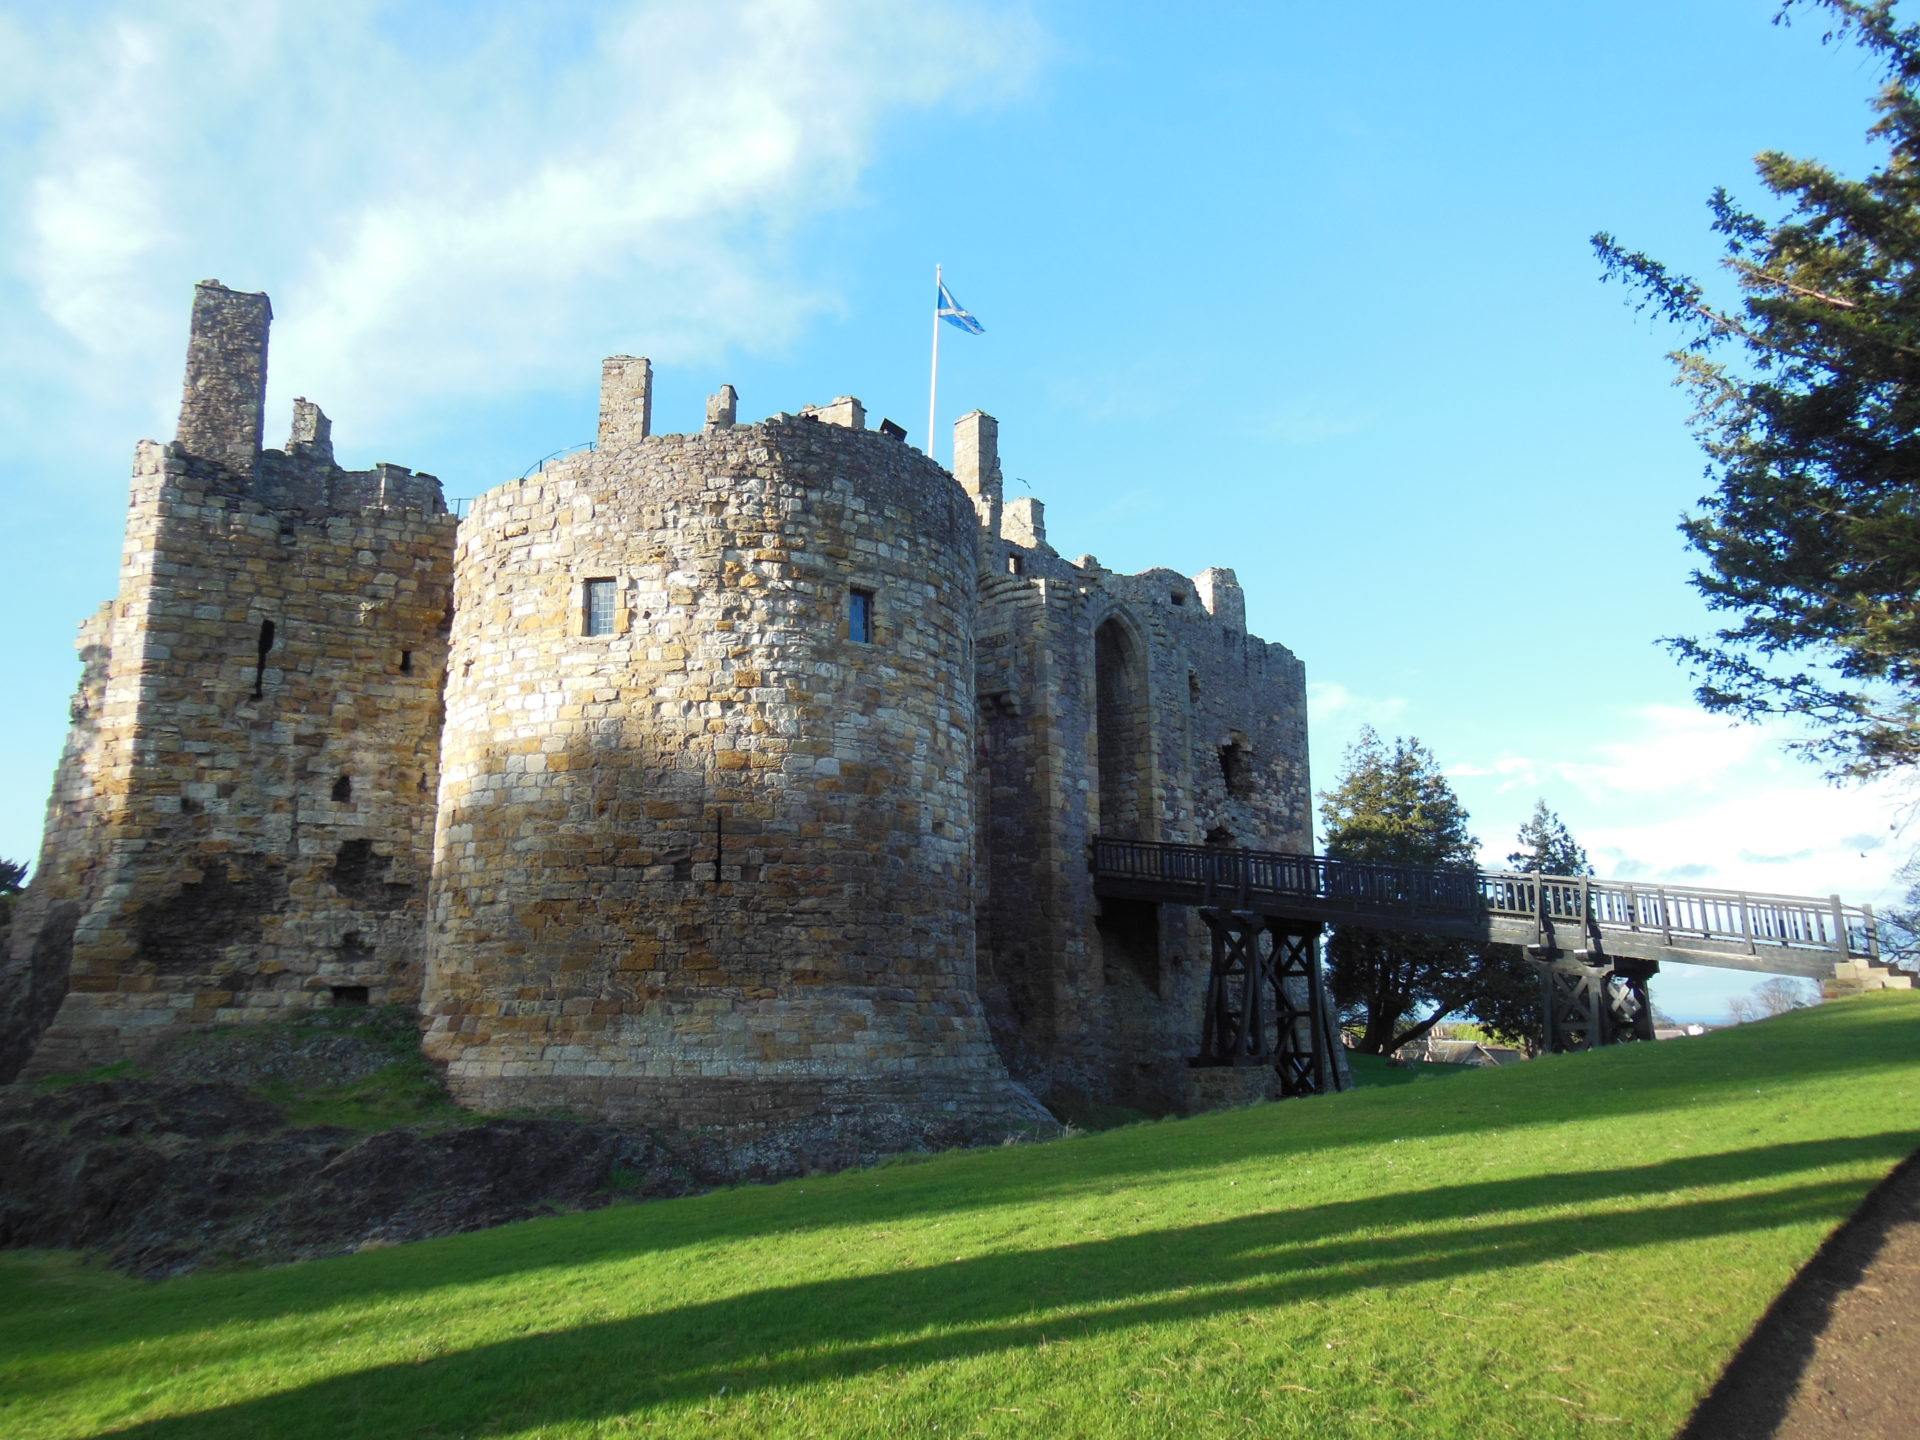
pixel 1122 731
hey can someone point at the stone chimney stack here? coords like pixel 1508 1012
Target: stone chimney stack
pixel 976 465
pixel 626 401
pixel 223 408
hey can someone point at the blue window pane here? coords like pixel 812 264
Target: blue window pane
pixel 599 607
pixel 860 616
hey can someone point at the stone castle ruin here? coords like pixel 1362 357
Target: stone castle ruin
pixel 729 778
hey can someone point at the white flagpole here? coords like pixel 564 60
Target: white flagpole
pixel 933 387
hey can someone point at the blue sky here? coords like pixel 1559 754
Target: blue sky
pixel 1305 291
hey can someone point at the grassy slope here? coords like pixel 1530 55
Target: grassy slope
pixel 1512 1252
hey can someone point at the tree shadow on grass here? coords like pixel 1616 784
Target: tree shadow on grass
pixel 1863 1038
pixel 572 1243
pixel 845 1327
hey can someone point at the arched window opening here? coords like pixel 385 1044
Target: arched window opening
pixel 1122 733
pixel 1236 768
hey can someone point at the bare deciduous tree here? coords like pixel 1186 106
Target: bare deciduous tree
pixel 1783 993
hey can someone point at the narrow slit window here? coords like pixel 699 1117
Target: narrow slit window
pixel 263 645
pixel 860 616
pixel 406 662
pixel 599 607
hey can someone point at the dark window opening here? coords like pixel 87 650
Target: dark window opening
pixel 1129 933
pixel 1193 686
pixel 683 869
pixel 1220 835
pixel 860 616
pixel 361 876
pixel 350 995
pixel 1016 564
pixel 406 662
pixel 1179 597
pixel 343 790
pixel 1236 768
pixel 598 605
pixel 264 644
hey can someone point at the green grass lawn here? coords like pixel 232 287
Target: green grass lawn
pixel 1530 1251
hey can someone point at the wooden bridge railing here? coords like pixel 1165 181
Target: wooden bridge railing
pixel 1674 917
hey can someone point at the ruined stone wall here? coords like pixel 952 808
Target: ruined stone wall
pixel 38 947
pixel 713 866
pixel 244 819
pixel 651 835
pixel 1133 705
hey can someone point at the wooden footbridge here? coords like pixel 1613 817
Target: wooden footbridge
pixel 1595 942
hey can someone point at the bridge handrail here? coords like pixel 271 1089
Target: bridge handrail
pixel 1745 917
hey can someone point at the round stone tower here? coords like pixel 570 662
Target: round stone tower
pixel 705 826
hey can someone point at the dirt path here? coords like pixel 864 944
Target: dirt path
pixel 1837 1357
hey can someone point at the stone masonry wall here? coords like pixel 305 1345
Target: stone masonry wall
pixel 713 867
pixel 696 855
pixel 244 821
pixel 1131 705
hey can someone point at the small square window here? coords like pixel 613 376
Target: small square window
pixel 860 616
pixel 598 605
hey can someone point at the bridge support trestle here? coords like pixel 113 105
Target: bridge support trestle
pixel 1265 1001
pixel 1585 1004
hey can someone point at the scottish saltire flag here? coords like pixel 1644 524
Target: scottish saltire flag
pixel 954 313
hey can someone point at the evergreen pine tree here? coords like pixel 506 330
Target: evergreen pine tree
pixel 13 878
pixel 1508 1001
pixel 1546 847
pixel 1807 402
pixel 1392 803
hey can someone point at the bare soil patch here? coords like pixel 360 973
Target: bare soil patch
pixel 1834 1358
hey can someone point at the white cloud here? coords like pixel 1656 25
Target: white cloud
pixel 1685 799
pixel 1785 838
pixel 465 207
pixel 1675 748
pixel 1331 703
pixel 1303 424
